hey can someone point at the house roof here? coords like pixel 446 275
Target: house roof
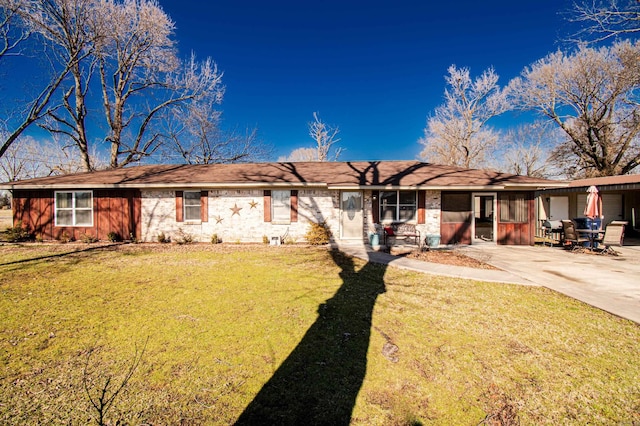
pixel 607 180
pixel 339 175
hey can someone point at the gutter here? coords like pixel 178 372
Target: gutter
pixel 174 185
pixel 264 185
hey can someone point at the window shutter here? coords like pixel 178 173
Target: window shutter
pixel 294 205
pixel 375 206
pixel 267 206
pixel 204 206
pixel 422 211
pixel 179 211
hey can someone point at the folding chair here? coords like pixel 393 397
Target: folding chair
pixel 613 236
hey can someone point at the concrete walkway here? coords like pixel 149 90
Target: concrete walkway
pixel 611 283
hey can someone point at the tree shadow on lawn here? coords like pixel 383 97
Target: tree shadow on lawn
pixel 105 247
pixel 319 381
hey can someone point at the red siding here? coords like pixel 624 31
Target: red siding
pixel 113 211
pixel 294 205
pixel 518 233
pixel 204 206
pixel 267 206
pixel 455 233
pixel 455 219
pixel 375 206
pixel 179 212
pixel 422 213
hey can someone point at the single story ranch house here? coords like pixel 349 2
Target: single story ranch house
pixel 248 202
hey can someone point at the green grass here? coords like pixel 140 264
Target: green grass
pixel 230 332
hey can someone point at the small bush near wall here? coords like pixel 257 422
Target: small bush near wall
pixel 18 233
pixel 215 239
pixel 162 238
pixel 114 237
pixel 184 237
pixel 318 234
pixel 88 238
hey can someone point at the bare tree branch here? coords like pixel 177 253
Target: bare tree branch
pixel 606 19
pixel 457 134
pixel 325 136
pixel 65 25
pixel 196 136
pixel 12 34
pixel 592 95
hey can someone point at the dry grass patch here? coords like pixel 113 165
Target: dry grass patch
pixel 6 218
pixel 450 257
pixel 219 322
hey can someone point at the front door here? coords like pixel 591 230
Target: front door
pixel 351 215
pixel 484 217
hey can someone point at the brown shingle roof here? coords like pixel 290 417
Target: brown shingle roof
pixel 607 180
pixel 380 174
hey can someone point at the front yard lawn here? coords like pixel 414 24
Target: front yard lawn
pixel 214 334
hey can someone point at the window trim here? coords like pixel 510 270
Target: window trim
pixel 398 205
pixel 73 209
pixel 281 220
pixel 185 205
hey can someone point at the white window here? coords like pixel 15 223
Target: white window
pixel 281 206
pixel 191 205
pixel 74 208
pixel 398 206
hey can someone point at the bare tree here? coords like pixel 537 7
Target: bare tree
pixel 593 96
pixel 55 157
pixel 457 133
pixel 53 21
pixel 13 163
pixel 301 154
pixel 606 19
pixel 76 28
pixel 30 158
pixel 142 76
pixel 197 137
pixel 325 136
pixel 12 34
pixel 129 43
pixel 64 28
pixel 526 150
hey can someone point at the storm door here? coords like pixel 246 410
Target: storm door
pixel 351 215
pixel 484 217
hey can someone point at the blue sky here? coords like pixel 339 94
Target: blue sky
pixel 374 69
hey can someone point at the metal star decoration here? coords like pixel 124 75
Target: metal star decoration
pixel 218 219
pixel 253 204
pixel 235 209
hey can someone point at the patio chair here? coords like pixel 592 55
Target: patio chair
pixel 571 237
pixel 613 236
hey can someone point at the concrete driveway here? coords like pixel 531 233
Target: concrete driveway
pixel 611 283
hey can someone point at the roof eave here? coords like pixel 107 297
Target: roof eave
pixel 505 187
pixel 174 185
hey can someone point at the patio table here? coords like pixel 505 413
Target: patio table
pixel 592 234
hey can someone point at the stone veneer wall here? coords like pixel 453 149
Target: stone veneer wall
pixel 247 225
pixel 433 205
pixel 237 216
